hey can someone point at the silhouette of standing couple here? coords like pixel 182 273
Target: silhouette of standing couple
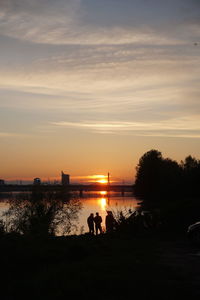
pixel 97 220
pixel 94 221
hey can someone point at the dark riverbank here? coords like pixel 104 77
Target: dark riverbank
pixel 147 262
pixel 148 266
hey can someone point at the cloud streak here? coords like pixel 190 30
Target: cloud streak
pixel 184 127
pixel 65 22
pixel 12 135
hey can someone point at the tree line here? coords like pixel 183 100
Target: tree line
pixel 158 177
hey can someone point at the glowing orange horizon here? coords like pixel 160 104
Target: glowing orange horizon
pixel 102 179
pixel 98 179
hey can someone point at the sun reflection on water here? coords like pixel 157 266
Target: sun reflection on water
pixel 103 193
pixel 102 203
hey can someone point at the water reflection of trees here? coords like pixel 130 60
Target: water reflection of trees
pixel 42 213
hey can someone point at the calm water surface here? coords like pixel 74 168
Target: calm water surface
pixel 96 202
pixel 101 203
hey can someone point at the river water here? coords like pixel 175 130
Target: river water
pixel 95 202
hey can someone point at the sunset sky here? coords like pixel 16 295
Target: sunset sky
pixel 88 86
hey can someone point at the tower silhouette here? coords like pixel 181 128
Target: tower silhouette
pixel 65 178
pixel 108 179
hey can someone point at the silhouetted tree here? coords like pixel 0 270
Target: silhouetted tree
pixel 41 214
pixel 171 177
pixel 148 173
pixel 191 175
pixel 156 176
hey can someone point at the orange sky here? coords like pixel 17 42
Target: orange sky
pixel 88 87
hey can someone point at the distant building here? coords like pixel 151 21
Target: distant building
pixel 2 182
pixel 36 181
pixel 65 179
pixel 56 182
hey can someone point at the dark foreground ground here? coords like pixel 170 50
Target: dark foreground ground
pixel 149 266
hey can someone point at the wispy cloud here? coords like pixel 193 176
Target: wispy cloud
pixel 12 135
pixel 65 22
pixel 184 127
pixel 109 69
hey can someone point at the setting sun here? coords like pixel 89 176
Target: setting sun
pixel 103 181
pixel 99 179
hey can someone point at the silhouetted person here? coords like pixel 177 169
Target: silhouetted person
pixel 90 221
pixel 98 221
pixel 110 222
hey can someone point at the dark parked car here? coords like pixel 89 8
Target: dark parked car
pixel 193 233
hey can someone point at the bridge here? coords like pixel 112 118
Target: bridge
pixel 68 188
